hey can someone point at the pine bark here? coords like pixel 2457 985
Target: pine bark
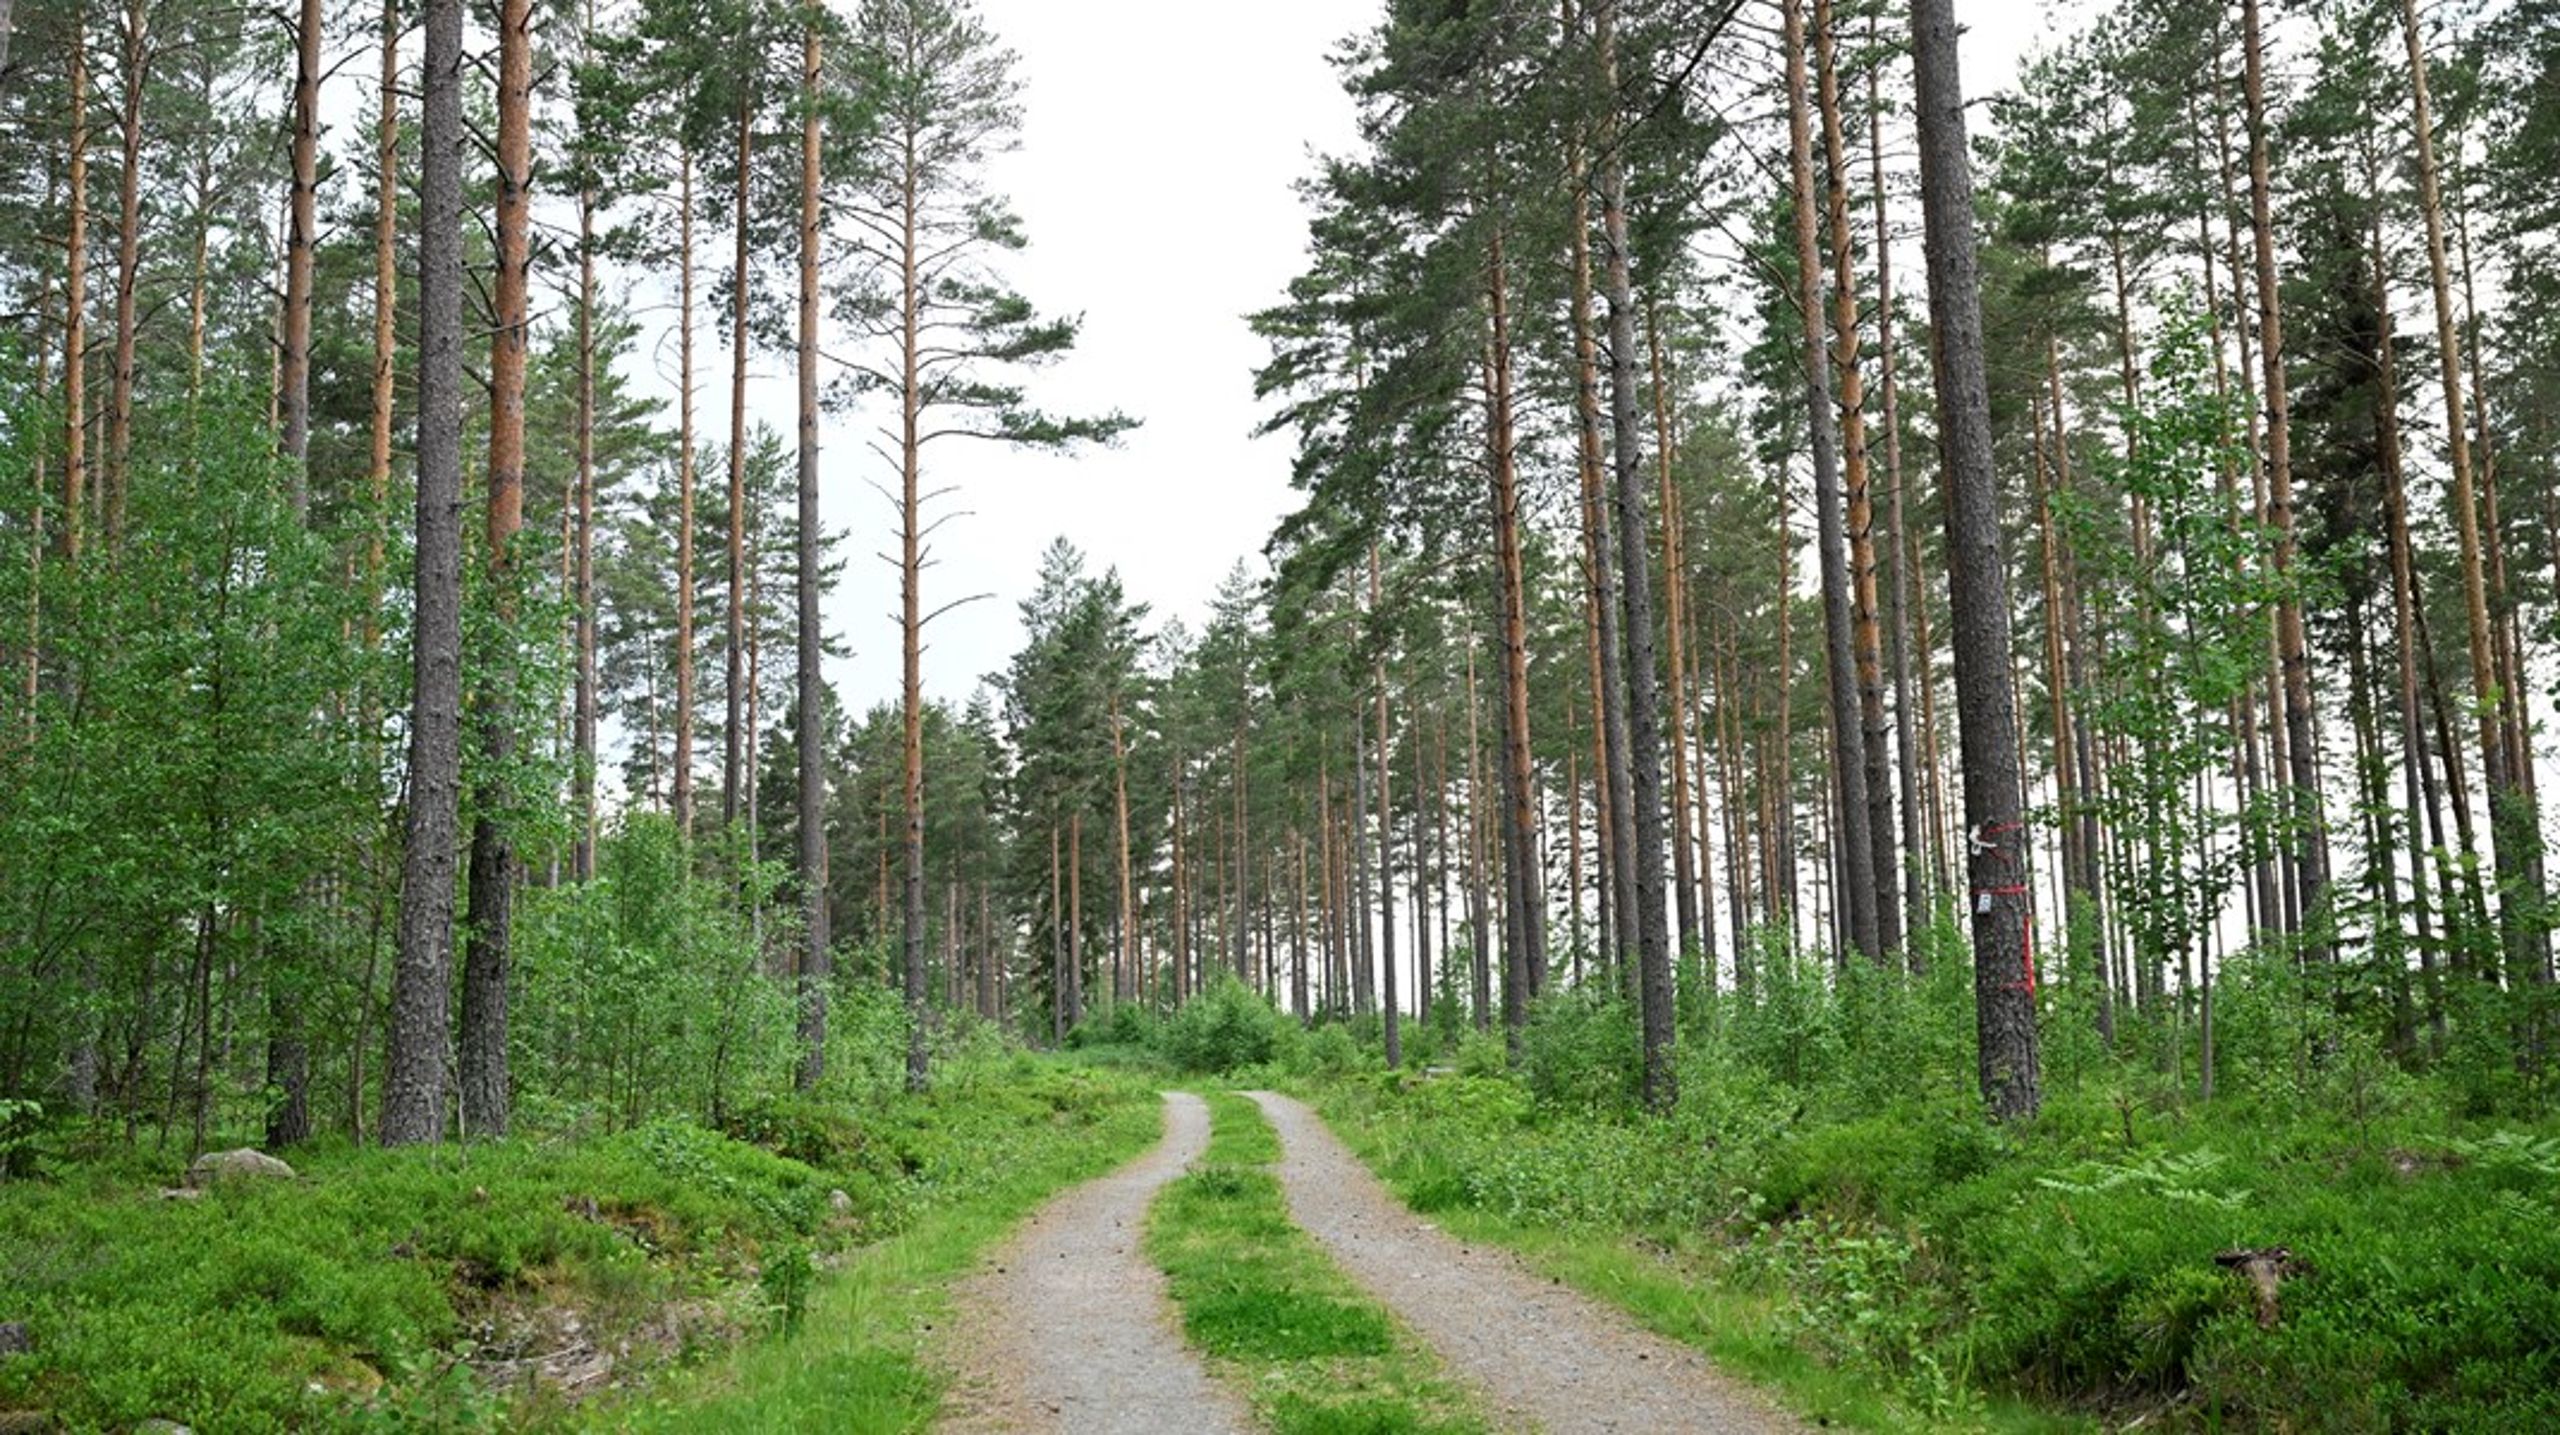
pixel 810 732
pixel 1866 630
pixel 2310 838
pixel 413 1102
pixel 681 781
pixel 1856 855
pixel 486 1093
pixel 2511 825
pixel 1978 582
pixel 300 247
pixel 1644 677
pixel 733 776
pixel 582 565
pixel 1524 955
pixel 136 66
pixel 1386 845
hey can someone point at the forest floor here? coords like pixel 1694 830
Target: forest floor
pixel 1066 1328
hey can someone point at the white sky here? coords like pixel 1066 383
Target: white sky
pixel 1155 180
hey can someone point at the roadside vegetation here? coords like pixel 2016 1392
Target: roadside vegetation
pixel 669 1272
pixel 1827 1211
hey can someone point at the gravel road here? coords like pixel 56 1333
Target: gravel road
pixel 1067 1327
pixel 1545 1357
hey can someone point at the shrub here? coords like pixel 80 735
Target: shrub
pixel 1579 1051
pixel 1224 1028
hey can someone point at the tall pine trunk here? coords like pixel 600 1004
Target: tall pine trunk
pixel 681 781
pixel 2512 827
pixel 1866 630
pixel 811 727
pixel 2302 780
pixel 1856 851
pixel 413 1093
pixel 1644 677
pixel 486 1094
pixel 1978 582
pixel 734 778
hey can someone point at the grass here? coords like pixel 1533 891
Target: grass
pixel 1274 1315
pixel 393 1289
pixel 858 1364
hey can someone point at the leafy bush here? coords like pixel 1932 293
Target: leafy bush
pixel 1225 1028
pixel 1579 1050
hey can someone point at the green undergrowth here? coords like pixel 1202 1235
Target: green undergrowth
pixel 994 1149
pixel 489 1285
pixel 1854 1233
pixel 1315 1354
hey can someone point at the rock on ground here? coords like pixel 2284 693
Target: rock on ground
pixel 215 1166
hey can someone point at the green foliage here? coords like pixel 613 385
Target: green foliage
pixel 1225 1028
pixel 641 993
pixel 785 1281
pixel 1579 1050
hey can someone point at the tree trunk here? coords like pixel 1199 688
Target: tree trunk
pixel 911 300
pixel 1386 845
pixel 75 290
pixel 582 739
pixel 1866 632
pixel 1684 873
pixel 1128 879
pixel 386 314
pixel 1479 903
pixel 1848 745
pixel 681 782
pixel 2311 843
pixel 1978 580
pixel 1899 540
pixel 486 1096
pixel 1611 776
pixel 137 64
pixel 733 777
pixel 1524 956
pixel 815 955
pixel 1644 678
pixel 2511 825
pixel 413 1098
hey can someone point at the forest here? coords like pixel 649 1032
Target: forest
pixel 1885 772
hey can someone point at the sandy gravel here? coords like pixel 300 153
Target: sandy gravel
pixel 1067 1327
pixel 1544 1356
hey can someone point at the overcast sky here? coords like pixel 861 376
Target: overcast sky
pixel 1161 143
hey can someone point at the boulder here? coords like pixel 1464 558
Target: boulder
pixel 839 1202
pixel 157 1426
pixel 214 1166
pixel 26 1422
pixel 14 1338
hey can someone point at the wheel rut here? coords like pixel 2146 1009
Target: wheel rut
pixel 1067 1327
pixel 1545 1356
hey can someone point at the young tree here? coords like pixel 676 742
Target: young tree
pixel 940 329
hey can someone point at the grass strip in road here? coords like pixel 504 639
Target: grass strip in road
pixel 1314 1354
pixel 856 1364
